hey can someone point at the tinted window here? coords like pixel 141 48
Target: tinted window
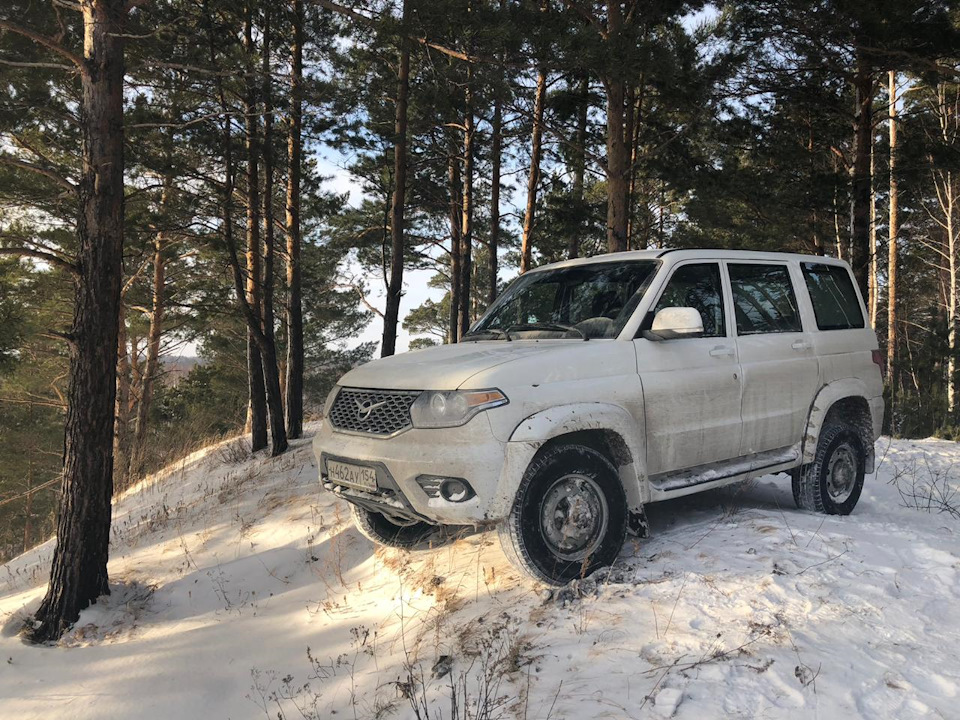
pixel 835 302
pixel 763 299
pixel 697 286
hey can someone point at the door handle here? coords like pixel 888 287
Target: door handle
pixel 721 351
pixel 801 345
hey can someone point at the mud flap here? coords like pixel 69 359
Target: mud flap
pixel 637 522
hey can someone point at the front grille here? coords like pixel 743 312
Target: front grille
pixel 374 412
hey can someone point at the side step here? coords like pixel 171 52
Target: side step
pixel 713 472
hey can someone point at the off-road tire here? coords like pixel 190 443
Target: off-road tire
pixel 521 535
pixel 378 528
pixel 810 484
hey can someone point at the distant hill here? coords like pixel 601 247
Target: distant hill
pixel 176 368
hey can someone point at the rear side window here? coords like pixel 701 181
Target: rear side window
pixel 834 299
pixel 763 299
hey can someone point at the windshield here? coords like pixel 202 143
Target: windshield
pixel 588 301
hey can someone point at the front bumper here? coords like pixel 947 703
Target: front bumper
pixel 470 452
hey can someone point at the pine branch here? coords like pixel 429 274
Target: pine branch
pixel 46 172
pixel 37 65
pixel 45 256
pixel 43 40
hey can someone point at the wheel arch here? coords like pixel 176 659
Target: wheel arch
pixel 845 400
pixel 608 429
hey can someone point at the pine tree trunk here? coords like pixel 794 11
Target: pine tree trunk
pixel 874 286
pixel 268 344
pixel 466 232
pixel 533 180
pixel 391 316
pixel 953 300
pixel 28 500
pixel 455 188
pixel 579 168
pixel 154 336
pixel 496 150
pixel 863 140
pixel 79 572
pixel 892 257
pixel 616 169
pixel 294 384
pixel 257 413
pixel 630 126
pixel 121 448
pixel 617 152
pixel 816 240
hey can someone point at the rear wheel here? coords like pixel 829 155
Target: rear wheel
pixel 832 483
pixel 569 517
pixel 387 531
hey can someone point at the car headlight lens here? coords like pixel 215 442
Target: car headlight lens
pixel 450 408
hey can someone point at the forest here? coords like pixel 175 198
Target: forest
pixel 263 184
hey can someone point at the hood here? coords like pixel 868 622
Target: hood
pixel 444 367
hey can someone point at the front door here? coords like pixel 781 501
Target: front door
pixel 691 386
pixel 780 368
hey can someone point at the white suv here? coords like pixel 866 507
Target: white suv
pixel 595 386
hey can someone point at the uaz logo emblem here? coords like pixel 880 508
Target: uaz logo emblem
pixel 366 407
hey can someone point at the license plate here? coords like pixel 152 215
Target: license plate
pixel 357 476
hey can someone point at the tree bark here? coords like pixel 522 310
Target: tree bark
pixel 271 365
pixel 257 413
pixel 154 336
pixel 79 572
pixel 466 232
pixel 951 199
pixel 533 180
pixel 874 286
pixel 294 384
pixel 892 256
pixel 617 152
pixel 863 140
pixel 630 126
pixel 579 168
pixel 948 198
pixel 455 188
pixel 496 152
pixel 121 448
pixel 391 315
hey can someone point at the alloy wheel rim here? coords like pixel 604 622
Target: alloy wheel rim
pixel 573 517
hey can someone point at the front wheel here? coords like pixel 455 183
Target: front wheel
pixel 569 517
pixel 832 483
pixel 384 531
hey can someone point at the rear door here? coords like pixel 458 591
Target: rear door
pixel 691 386
pixel 780 368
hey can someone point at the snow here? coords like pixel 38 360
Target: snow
pixel 242 590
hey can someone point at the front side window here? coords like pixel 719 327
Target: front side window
pixel 697 286
pixel 591 301
pixel 763 299
pixel 834 299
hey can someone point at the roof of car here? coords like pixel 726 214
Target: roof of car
pixel 676 254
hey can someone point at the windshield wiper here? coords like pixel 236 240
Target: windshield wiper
pixel 549 326
pixel 505 334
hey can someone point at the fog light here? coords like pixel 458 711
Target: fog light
pixel 449 488
pixel 456 490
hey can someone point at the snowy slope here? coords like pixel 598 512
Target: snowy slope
pixel 242 591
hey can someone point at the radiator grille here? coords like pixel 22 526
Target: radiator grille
pixel 374 412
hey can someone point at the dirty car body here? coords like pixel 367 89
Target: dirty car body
pixel 595 386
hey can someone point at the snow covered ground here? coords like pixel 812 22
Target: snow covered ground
pixel 243 591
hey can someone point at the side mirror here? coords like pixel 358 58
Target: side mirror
pixel 675 322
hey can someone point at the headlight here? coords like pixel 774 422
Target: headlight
pixel 328 403
pixel 437 409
